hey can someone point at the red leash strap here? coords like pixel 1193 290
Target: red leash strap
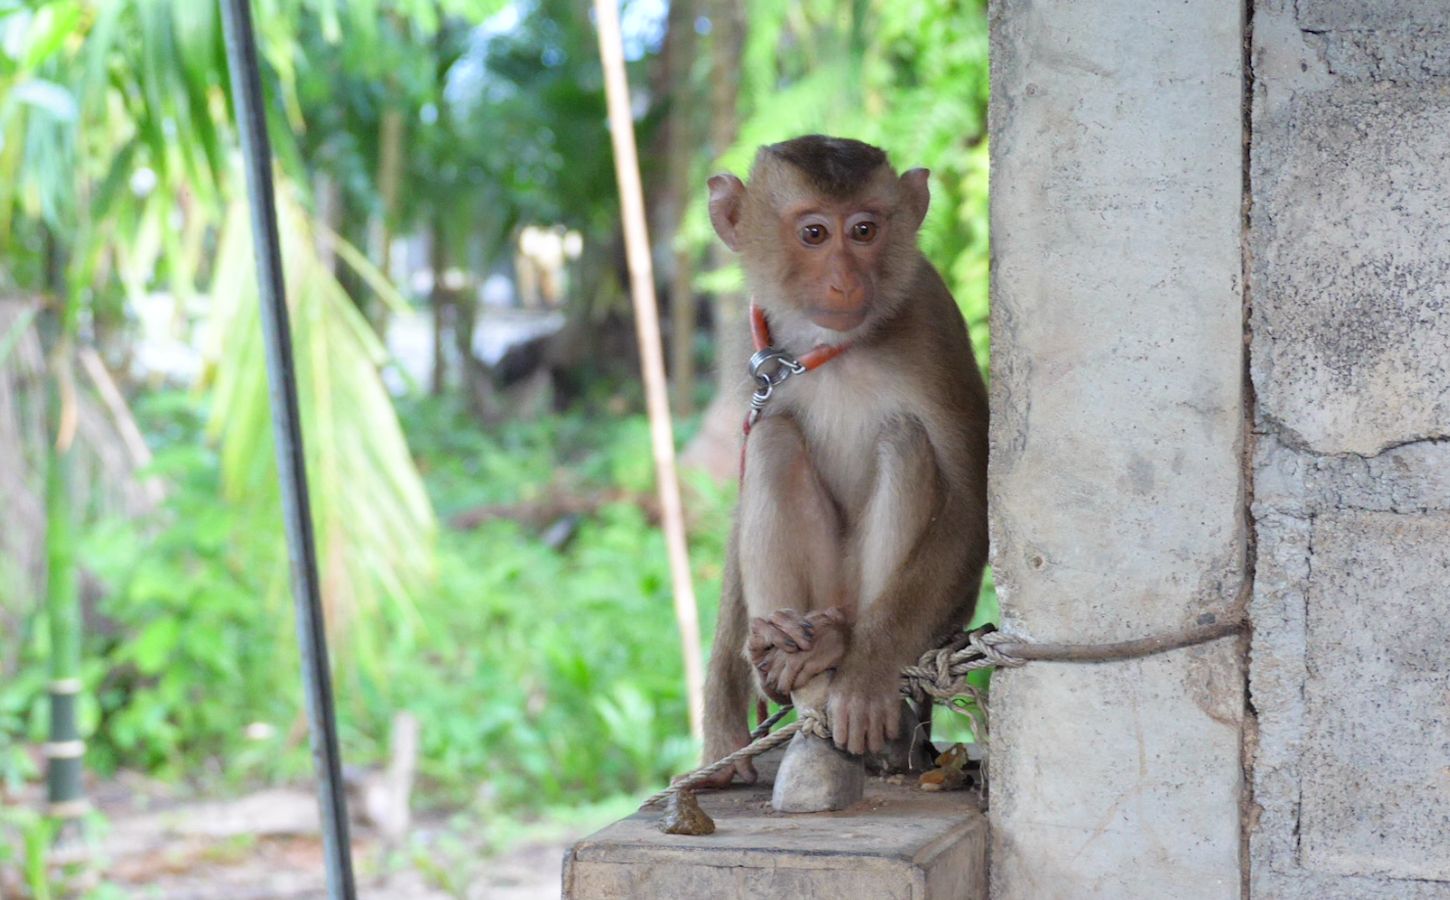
pixel 770 367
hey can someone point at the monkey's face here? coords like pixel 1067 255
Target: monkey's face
pixel 836 253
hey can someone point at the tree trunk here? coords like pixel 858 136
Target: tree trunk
pixel 390 167
pixel 681 136
pixel 438 299
pixel 716 449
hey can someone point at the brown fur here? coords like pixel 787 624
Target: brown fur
pixel 865 486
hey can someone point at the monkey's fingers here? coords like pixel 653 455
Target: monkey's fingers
pixel 839 712
pixel 832 616
pixel 793 625
pixel 723 778
pixel 787 676
pixel 767 632
pixel 746 770
pixel 757 647
pixel 885 723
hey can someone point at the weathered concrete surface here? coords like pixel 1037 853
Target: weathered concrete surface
pixel 1350 355
pixel 1117 419
pixel 1382 40
pixel 1351 271
pixel 1376 798
pixel 1349 675
pixel 899 842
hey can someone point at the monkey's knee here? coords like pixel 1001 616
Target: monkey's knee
pixel 905 450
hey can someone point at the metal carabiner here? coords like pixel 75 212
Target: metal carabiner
pixel 785 366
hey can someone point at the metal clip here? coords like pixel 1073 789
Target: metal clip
pixel 782 366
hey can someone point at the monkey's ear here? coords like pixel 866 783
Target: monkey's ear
pixel 915 195
pixel 726 195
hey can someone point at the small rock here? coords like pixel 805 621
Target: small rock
pixel 683 815
pixel 815 776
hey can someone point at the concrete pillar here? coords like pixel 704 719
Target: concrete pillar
pixel 1117 424
pixel 1350 354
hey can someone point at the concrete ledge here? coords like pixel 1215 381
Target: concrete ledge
pixel 898 842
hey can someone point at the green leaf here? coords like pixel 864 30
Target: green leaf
pixel 154 646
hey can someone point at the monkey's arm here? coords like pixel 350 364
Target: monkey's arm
pixel 921 538
pixel 728 684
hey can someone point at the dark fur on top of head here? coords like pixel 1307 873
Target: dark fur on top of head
pixel 837 167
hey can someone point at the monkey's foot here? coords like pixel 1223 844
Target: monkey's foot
pixel 910 752
pixel 718 747
pixel 788 649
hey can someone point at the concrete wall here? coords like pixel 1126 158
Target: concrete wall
pixel 1117 455
pixel 1129 142
pixel 1350 291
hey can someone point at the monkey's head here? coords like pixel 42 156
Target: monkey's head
pixel 826 232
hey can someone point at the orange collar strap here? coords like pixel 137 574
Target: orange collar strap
pixel 771 366
pixel 760 336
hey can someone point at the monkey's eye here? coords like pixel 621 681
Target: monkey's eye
pixel 814 234
pixel 864 232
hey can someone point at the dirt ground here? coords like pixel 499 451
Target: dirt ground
pixel 154 844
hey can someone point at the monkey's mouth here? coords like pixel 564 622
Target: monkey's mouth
pixel 837 319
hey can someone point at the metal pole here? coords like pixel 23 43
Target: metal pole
pixel 241 46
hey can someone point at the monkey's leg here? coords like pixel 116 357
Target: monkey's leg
pixel 911 547
pixel 728 687
pixel 791 552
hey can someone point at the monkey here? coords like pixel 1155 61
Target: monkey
pixel 860 535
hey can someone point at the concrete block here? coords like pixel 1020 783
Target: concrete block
pixel 1161 739
pixel 899 842
pixel 1351 284
pixel 1116 476
pixel 1411 478
pixel 1116 314
pixel 1376 771
pixel 1352 689
pixel 1371 15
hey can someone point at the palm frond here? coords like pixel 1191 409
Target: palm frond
pixel 375 525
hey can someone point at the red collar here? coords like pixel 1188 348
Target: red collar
pixel 814 359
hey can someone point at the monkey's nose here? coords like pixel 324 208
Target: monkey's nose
pixel 848 295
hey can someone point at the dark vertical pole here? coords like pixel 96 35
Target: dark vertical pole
pixel 287 432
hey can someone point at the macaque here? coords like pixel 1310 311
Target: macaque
pixel 861 532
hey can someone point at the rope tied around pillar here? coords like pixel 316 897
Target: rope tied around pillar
pixel 941 675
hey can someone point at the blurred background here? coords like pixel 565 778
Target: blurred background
pixel 506 659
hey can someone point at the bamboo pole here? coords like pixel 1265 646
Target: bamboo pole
pixel 65 749
pixel 651 356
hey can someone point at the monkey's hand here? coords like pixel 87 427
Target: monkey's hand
pixel 864 706
pixel 788 649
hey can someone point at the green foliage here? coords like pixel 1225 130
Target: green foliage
pixel 374 525
pixel 539 675
pixel 552 676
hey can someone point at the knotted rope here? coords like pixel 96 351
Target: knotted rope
pixel 941 674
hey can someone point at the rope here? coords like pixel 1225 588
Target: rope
pixel 941 674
